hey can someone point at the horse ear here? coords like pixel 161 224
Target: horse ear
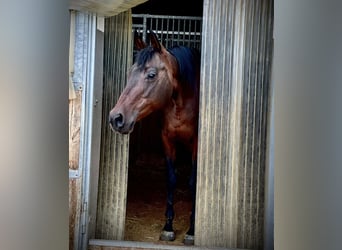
pixel 138 42
pixel 154 41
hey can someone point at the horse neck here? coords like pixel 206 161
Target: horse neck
pixel 182 100
pixel 183 93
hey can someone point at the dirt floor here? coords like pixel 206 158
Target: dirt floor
pixel 146 200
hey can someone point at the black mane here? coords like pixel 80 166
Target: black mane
pixel 188 64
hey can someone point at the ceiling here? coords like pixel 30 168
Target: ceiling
pixel 104 7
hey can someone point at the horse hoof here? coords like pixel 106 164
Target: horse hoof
pixel 189 239
pixel 167 236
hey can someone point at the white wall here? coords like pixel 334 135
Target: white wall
pixel 307 80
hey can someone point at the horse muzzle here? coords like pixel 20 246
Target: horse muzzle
pixel 117 123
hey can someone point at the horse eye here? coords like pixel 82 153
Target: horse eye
pixel 151 75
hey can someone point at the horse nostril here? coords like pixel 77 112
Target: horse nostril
pixel 117 121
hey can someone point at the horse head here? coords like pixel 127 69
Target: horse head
pixel 150 84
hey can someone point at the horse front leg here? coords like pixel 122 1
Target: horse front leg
pixel 189 236
pixel 168 234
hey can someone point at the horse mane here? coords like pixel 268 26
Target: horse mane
pixel 188 60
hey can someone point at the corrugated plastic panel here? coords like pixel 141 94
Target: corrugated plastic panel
pixel 112 194
pixel 234 96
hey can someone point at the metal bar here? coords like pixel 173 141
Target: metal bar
pixel 144 28
pixel 173 29
pixel 184 28
pixel 162 28
pixel 167 28
pixel 86 128
pixel 167 17
pixel 178 26
pixel 156 22
pixel 188 33
pixel 189 36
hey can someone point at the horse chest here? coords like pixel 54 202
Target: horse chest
pixel 179 125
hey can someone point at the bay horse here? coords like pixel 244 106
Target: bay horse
pixel 165 80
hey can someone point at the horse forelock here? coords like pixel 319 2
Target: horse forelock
pixel 144 56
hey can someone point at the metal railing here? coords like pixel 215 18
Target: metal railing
pixel 171 30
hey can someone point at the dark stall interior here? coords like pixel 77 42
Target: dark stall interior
pixel 146 196
pixel 175 7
